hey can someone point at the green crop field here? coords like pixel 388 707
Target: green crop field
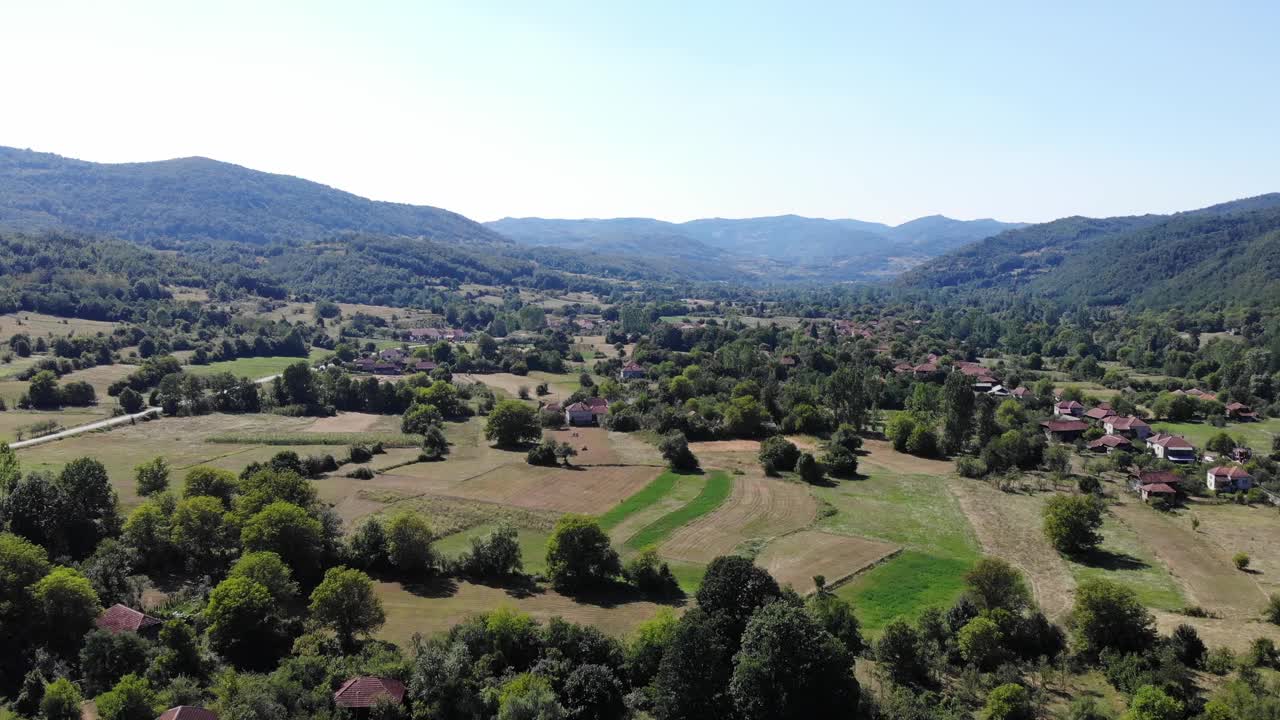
pixel 649 495
pixel 717 489
pixel 904 586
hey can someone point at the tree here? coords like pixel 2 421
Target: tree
pixel 808 469
pixel 675 450
pixel 434 443
pixel 1220 443
pixel 1071 523
pixel 43 392
pixel 106 657
pixel 345 602
pixel 288 531
pixel 648 644
pixel 900 429
pixel 543 454
pixel 61 701
pixel 1107 615
pixel 110 571
pixel 1057 459
pixel 419 418
pixel 579 555
pixel 836 616
pixel 735 587
pixel 131 401
pixel 899 653
pixel 1008 702
pixel 1187 646
pixel 495 555
pixel 206 481
pixel 693 677
pixel 131 699
pixel 512 423
pixel 789 667
pixel 367 546
pixel 242 623
pixel 957 408
pixel 1152 703
pixel 981 643
pixel 922 442
pixel 66 606
pixel 995 584
pixel 409 539
pixel 179 652
pixel 1240 560
pixel 593 692
pixel 152 477
pixel 528 697
pixel 298 384
pixel 202 534
pixel 267 569
pixel 88 504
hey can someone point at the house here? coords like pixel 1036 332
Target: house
pixel 420 366
pixel 924 370
pixel 437 334
pixel 393 355
pixel 1240 411
pixel 903 368
pixel 787 361
pixel 1020 392
pixel 122 618
pixel 1197 393
pixel 1099 413
pixel 386 368
pixel 1068 409
pixel 365 364
pixel 1161 490
pixel 1155 477
pixel 1126 425
pixel 998 391
pixel 188 712
pixel 365 692
pixel 1173 448
pixel 1228 478
pixel 1063 430
pixel 587 412
pixel 632 371
pixel 1111 443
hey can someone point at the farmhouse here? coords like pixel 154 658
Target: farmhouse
pixel 122 618
pixel 1020 392
pixel 420 366
pixel 437 334
pixel 1127 425
pixel 1197 393
pixel 1153 477
pixel 1146 492
pixel 586 412
pixel 1228 478
pixel 903 368
pixel 1110 443
pixel 1068 409
pixel 1099 413
pixel 362 693
pixel 632 371
pixel 393 355
pixel 1173 448
pixel 1063 430
pixel 997 391
pixel 1240 411
pixel 925 369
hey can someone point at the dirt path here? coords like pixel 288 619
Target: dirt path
pixel 88 427
pixel 1201 568
pixel 1008 527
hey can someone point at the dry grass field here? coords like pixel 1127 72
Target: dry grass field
pixel 758 510
pixel 584 490
pixel 794 559
pixel 13 422
pixel 592 444
pixel 436 608
pixel 37 324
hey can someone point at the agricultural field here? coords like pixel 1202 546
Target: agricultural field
pixel 37 325
pixel 15 422
pixel 1257 435
pixel 254 368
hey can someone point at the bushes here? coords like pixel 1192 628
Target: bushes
pixel 1071 523
pixel 675 450
pixel 777 454
pixel 362 473
pixel 493 556
pixel 970 467
pixel 651 575
pixel 1240 560
pixel 544 454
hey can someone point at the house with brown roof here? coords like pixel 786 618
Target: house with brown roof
pixel 586 412
pixel 122 618
pixel 632 371
pixel 1020 392
pixel 1240 411
pixel 1063 430
pixel 1110 443
pixel 1197 393
pixel 1173 448
pixel 903 368
pixel 1228 478
pixel 1126 425
pixel 924 370
pixel 361 693
pixel 1068 409
pixel 419 365
pixel 188 712
pixel 1099 413
pixel 1157 490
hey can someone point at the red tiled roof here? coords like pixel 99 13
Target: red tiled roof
pixel 1152 477
pixel 1159 489
pixel 1125 422
pixel 363 692
pixel 1098 413
pixel 188 712
pixel 122 618
pixel 596 402
pixel 632 366
pixel 926 368
pixel 903 367
pixel 1109 441
pixel 1170 442
pixel 1231 472
pixel 1064 425
pixel 1020 391
pixel 579 407
pixel 1069 405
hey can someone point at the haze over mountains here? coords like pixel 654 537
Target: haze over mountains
pixel 316 236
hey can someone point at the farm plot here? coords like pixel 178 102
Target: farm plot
pixel 355 422
pixel 1008 526
pixel 758 508
pixel 434 610
pixel 1253 530
pixel 794 559
pixel 253 367
pixel 590 490
pixel 1205 572
pixel 592 444
pixel 37 324
pixel 448 515
pixel 713 493
pixel 13 422
pixel 1124 558
pixel 1257 435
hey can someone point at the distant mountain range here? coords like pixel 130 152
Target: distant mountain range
pixel 1224 253
pixel 201 199
pixel 796 246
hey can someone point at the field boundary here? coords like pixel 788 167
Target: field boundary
pixel 657 489
pixel 850 577
pixel 714 493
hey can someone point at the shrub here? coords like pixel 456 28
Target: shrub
pixel 1071 523
pixel 361 473
pixel 651 575
pixel 495 555
pixel 970 467
pixel 675 450
pixel 1272 612
pixel 359 454
pixel 1220 661
pixel 809 469
pixel 544 454
pixel 778 453
pixel 1240 560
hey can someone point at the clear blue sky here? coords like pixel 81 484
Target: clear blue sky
pixel 879 110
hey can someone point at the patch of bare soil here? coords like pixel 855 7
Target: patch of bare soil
pixel 794 559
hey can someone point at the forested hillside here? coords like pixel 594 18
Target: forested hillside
pixel 1224 253
pixel 201 199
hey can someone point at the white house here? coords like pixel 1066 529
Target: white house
pixel 1229 478
pixel 587 412
pixel 1173 448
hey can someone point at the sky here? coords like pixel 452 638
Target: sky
pixel 881 111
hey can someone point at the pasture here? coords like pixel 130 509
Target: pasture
pixel 41 325
pixel 1256 435
pixel 254 368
